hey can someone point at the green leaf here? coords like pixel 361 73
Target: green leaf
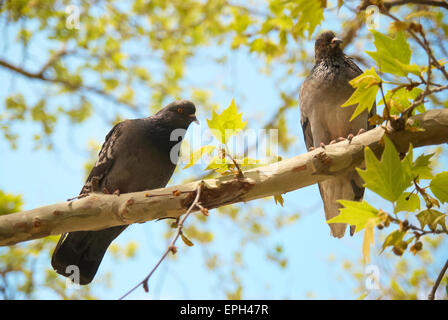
pixel 310 14
pixel 393 55
pixel 355 213
pixel 197 155
pixel 407 202
pixel 421 167
pixel 367 87
pixel 226 124
pixel 431 218
pixel 439 186
pixel 400 100
pixel 388 177
pixel 393 239
pixel 218 164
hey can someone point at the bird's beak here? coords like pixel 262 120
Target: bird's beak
pixel 194 119
pixel 335 42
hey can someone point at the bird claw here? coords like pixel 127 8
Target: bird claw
pixel 117 192
pixel 311 148
pixel 350 137
pixel 322 145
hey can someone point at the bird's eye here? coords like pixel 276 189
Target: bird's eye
pixel 180 110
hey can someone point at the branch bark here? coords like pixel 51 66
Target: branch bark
pixel 99 211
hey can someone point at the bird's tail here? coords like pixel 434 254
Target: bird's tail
pixel 82 251
pixel 348 187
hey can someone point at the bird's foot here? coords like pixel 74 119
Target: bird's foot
pixel 117 192
pixel 351 136
pixel 106 191
pixel 337 140
pixel 311 148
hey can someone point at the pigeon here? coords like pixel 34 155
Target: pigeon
pixel 137 155
pixel 324 121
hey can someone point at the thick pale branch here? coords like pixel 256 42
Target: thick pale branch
pixel 99 211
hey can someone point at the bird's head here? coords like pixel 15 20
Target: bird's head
pixel 180 113
pixel 327 45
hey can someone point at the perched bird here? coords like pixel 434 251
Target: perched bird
pixel 136 155
pixel 324 121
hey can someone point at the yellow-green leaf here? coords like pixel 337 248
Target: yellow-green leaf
pixel 197 155
pixel 388 177
pixel 355 213
pixel 218 164
pixel 367 87
pixel 439 186
pixel 226 124
pixel 393 55
pixel 399 100
pixel 407 202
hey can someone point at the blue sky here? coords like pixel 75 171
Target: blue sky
pixel 49 177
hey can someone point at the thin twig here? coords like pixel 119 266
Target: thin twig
pixel 420 99
pixel 432 294
pixel 427 48
pixel 433 3
pixel 171 247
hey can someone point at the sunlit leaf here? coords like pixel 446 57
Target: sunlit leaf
pixel 393 55
pixel 439 186
pixel 399 100
pixel 367 87
pixel 407 202
pixel 226 124
pixel 355 213
pixel 388 177
pixel 197 155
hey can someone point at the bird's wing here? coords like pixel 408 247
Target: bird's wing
pixel 353 66
pixel 106 159
pixel 304 120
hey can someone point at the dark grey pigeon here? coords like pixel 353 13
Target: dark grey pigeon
pixel 323 120
pixel 136 156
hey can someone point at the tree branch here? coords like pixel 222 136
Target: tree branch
pixel 433 3
pixel 432 294
pixel 100 211
pixel 171 247
pixel 64 82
